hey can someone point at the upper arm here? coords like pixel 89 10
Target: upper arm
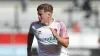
pixel 30 38
pixel 30 33
pixel 63 30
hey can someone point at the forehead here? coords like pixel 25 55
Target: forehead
pixel 42 11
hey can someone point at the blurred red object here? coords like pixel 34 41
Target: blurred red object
pixel 16 38
pixel 20 38
pixel 76 27
pixel 5 38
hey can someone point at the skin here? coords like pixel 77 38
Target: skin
pixel 45 17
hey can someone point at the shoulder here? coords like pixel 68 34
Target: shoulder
pixel 34 23
pixel 60 22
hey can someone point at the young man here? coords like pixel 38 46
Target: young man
pixel 51 35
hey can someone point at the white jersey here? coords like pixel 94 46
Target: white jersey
pixel 47 43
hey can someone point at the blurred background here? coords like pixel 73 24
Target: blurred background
pixel 82 19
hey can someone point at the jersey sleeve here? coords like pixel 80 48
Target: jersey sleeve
pixel 63 31
pixel 31 29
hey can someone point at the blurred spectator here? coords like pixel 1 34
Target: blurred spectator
pixel 87 7
pixel 99 40
pixel 75 3
pixel 24 4
pixel 76 27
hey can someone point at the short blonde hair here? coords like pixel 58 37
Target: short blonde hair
pixel 46 7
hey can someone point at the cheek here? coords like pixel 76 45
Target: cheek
pixel 45 17
pixel 42 16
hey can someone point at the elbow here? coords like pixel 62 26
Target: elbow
pixel 67 44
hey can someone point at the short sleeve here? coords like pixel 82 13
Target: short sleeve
pixel 63 30
pixel 31 29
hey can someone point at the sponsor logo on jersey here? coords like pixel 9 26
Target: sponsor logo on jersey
pixel 47 39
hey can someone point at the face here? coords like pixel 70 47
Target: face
pixel 43 16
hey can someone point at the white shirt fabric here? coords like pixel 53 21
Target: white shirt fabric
pixel 47 43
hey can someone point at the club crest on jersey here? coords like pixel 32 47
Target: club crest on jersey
pixel 39 32
pixel 55 30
